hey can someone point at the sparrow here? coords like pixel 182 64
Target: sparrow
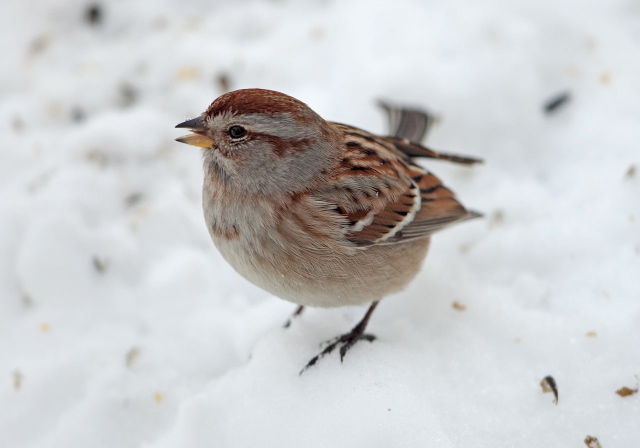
pixel 319 213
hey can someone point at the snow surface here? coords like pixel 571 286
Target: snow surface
pixel 121 326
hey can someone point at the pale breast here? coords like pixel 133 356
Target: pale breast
pixel 296 254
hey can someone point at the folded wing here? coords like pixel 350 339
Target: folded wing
pixel 385 198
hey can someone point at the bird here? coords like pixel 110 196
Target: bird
pixel 315 212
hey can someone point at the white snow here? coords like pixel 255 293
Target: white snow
pixel 121 326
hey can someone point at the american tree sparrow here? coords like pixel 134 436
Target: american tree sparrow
pixel 315 212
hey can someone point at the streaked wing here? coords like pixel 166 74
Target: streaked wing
pixel 439 207
pixel 383 197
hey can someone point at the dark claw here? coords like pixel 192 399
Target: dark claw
pixel 347 340
pixel 297 312
pixel 330 342
pixel 311 362
pixel 351 342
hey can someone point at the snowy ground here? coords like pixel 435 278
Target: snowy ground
pixel 121 326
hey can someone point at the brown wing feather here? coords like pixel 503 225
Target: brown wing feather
pixel 383 196
pixel 412 124
pixel 385 223
pixel 416 150
pixel 439 208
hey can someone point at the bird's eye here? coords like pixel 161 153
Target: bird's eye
pixel 237 131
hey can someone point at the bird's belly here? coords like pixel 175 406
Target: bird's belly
pixel 327 278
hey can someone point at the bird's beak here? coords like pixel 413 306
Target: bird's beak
pixel 198 138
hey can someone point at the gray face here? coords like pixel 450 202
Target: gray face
pixel 269 153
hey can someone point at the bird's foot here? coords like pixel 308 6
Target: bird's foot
pixel 346 341
pixel 296 313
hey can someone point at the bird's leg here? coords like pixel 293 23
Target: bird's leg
pixel 346 340
pixel 296 313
